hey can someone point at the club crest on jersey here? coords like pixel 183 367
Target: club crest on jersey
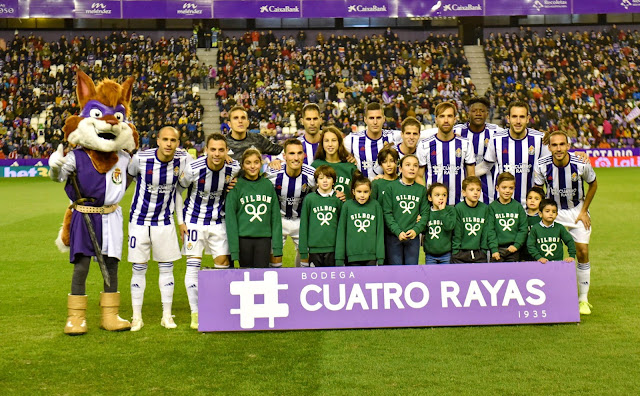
pixel 486 142
pixel 116 177
pixel 574 176
pixel 532 150
pixel 227 178
pixel 176 171
pixel 189 246
pixel 305 187
pixel 458 152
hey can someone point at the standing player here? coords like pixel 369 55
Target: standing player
pixel 365 145
pixel 239 139
pixel 312 137
pixel 206 179
pixel 292 184
pixel 156 172
pixel 446 158
pixel 516 150
pixel 564 174
pixel 479 133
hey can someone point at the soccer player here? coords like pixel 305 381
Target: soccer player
pixel 516 150
pixel 403 202
pixel 156 172
pixel 408 143
pixel 202 220
pixel 312 123
pixel 319 221
pixel 479 133
pixel 292 184
pixel 564 175
pixel 469 242
pixel 365 145
pixel 546 237
pixel 446 158
pixel 506 222
pixel 239 139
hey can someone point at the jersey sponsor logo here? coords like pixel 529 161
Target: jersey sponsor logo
pixel 564 192
pixel 517 168
pixel 446 169
pixel 161 189
pixel 116 177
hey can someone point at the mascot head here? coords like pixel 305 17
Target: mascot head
pixel 103 124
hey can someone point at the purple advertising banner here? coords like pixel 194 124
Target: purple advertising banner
pixel 98 9
pixel 436 8
pixel 527 7
pixel 388 296
pixel 144 9
pixel 347 9
pixel 612 152
pixel 9 9
pixel 25 162
pixel 606 6
pixel 189 9
pixel 257 9
pixel 51 8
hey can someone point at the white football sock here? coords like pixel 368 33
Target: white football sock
pixel 138 284
pixel 165 281
pixel 584 278
pixel 191 282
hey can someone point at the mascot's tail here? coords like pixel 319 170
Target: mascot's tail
pixel 63 235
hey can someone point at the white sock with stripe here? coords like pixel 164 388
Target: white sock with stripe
pixel 138 284
pixel 584 278
pixel 165 281
pixel 191 282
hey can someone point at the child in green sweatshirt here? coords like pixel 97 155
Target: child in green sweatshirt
pixel 388 161
pixel 360 239
pixel 319 221
pixel 440 224
pixel 252 210
pixel 469 242
pixel 535 195
pixel 403 202
pixel 506 223
pixel 546 237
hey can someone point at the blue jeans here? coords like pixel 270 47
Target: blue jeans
pixel 442 259
pixel 401 252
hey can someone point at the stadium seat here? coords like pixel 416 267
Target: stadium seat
pixel 288 84
pixel 285 131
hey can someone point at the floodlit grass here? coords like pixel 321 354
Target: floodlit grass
pixel 599 356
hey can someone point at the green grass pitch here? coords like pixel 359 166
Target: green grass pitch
pixel 601 355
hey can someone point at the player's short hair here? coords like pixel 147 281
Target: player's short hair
pixel 469 180
pixel 557 133
pixel 408 156
pixel 373 106
pixel 537 190
pixel 248 153
pixel 238 108
pixel 169 128
pixel 445 105
pixel 433 186
pixel 359 179
pixel 478 99
pixel 548 202
pixel 326 171
pixel 410 121
pixel 504 177
pixel 217 137
pixel 290 142
pixel 517 103
pixel 343 154
pixel 388 151
pixel 310 107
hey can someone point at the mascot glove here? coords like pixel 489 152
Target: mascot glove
pixel 56 161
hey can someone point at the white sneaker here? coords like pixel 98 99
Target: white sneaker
pixel 136 324
pixel 167 322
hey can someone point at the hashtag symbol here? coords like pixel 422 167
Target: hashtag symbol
pixel 270 309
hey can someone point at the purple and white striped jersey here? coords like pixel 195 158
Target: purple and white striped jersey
pixel 479 142
pixel 309 150
pixel 153 202
pixel 365 150
pixel 292 190
pixel 517 157
pixel 207 190
pixel 445 163
pixel 564 184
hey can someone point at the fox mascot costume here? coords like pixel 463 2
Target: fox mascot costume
pixel 98 163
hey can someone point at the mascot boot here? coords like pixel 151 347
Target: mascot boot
pixel 109 305
pixel 76 322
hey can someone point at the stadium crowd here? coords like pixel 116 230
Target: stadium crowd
pixel 274 77
pixel 37 86
pixel 582 82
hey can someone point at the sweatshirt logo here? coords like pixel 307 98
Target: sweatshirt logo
pixel 506 224
pixel 324 218
pixel 434 232
pixel 548 248
pixel 255 212
pixel 362 224
pixel 472 228
pixel 407 207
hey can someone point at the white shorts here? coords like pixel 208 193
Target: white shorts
pixel 212 239
pixel 567 217
pixel 163 238
pixel 291 227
